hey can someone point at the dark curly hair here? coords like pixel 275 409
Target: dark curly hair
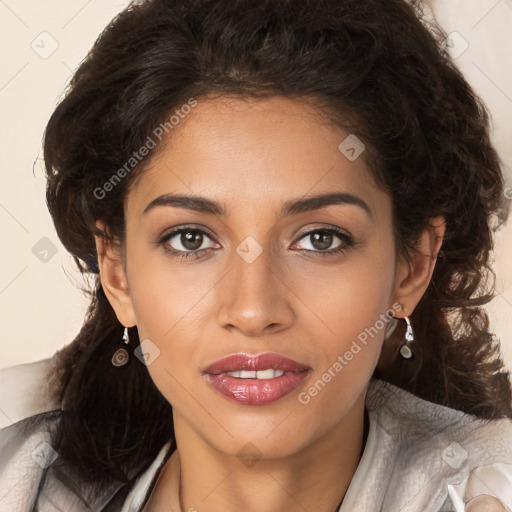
pixel 371 66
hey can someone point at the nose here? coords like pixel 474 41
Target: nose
pixel 254 297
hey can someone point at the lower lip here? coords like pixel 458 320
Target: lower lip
pixel 256 391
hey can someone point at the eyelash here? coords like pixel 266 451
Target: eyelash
pixel 346 239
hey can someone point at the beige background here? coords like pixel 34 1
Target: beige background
pixel 41 307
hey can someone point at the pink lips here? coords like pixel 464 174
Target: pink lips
pixel 253 391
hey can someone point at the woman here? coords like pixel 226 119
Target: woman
pixel 287 209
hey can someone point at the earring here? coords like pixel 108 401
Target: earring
pixel 121 356
pixel 405 349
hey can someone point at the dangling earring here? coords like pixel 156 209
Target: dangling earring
pixel 405 349
pixel 121 356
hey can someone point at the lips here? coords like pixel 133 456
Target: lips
pixel 256 380
pixel 239 362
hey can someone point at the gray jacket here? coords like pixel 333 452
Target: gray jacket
pixel 419 457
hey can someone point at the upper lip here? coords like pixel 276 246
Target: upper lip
pixel 236 362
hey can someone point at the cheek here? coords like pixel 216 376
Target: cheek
pixel 172 306
pixel 347 314
pixel 165 294
pixel 350 297
pixel 349 328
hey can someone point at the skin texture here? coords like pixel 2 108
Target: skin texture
pixel 485 503
pixel 251 156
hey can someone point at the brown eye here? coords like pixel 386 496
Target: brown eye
pixel 191 240
pixel 186 240
pixel 321 240
pixel 324 242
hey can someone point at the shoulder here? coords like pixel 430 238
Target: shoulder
pixel 28 428
pixel 17 438
pixel 24 391
pixel 27 450
pixel 425 424
pixel 440 454
pixel 33 475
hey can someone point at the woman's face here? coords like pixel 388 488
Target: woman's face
pixel 259 268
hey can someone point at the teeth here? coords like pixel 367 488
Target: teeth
pixel 267 374
pixel 260 374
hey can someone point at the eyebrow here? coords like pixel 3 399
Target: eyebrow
pixel 293 207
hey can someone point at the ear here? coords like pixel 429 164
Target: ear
pixel 113 277
pixel 412 277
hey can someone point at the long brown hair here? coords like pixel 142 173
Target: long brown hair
pixel 370 65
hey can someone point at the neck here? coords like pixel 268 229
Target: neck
pixel 197 477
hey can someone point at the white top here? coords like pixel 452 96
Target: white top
pixel 418 456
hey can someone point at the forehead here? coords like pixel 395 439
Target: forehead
pixel 240 152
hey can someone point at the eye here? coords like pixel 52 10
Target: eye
pixel 321 241
pixel 190 242
pixel 186 241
